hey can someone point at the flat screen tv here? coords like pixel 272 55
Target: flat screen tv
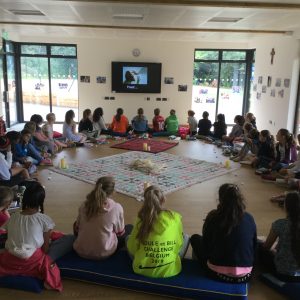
pixel 136 77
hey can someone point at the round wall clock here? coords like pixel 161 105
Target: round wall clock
pixel 136 52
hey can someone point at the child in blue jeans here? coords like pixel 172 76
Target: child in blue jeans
pixel 25 151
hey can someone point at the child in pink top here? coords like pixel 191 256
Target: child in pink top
pixel 100 223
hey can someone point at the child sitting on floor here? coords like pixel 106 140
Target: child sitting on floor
pixel 86 125
pixel 266 150
pixel 204 125
pixel 47 129
pixel 100 226
pixel 140 123
pixel 220 127
pixel 69 129
pixel 6 197
pixel 28 250
pixel 250 145
pixel 171 123
pixel 192 121
pixel 157 227
pixel 10 175
pixel 227 248
pixel 42 141
pixel 120 124
pixel 98 121
pixel 24 151
pixel 158 124
pixel 280 253
pixel 237 129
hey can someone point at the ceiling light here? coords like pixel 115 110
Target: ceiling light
pixel 26 12
pixel 224 20
pixel 128 16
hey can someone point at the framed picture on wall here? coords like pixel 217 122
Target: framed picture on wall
pixel 182 87
pixel 286 83
pixel 258 96
pixel 264 89
pixel 260 80
pixel 278 82
pixel 281 93
pixel 84 78
pixel 269 83
pixel 169 80
pixel 273 93
pixel 101 79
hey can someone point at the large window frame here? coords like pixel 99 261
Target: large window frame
pixel 249 61
pixel 48 55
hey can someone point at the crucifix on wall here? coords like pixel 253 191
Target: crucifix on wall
pixel 272 56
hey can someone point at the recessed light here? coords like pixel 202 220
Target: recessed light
pixel 224 20
pixel 26 12
pixel 128 16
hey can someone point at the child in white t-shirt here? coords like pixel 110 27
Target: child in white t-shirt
pixel 28 248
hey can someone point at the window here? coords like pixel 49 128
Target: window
pixel 63 50
pixel 206 55
pixel 34 49
pixel 221 82
pixel 49 79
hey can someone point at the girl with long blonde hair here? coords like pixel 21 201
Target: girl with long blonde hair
pixel 157 241
pixel 100 223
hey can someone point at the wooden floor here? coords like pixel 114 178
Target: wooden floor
pixel 64 195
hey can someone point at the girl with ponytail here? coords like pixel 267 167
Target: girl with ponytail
pixel 119 125
pixel 157 242
pixel 284 260
pixel 100 226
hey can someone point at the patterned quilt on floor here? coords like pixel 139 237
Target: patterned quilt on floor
pixel 176 172
pixel 153 146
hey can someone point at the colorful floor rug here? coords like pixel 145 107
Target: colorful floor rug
pixel 177 172
pixel 139 145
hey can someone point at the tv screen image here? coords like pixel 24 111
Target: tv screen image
pixel 136 77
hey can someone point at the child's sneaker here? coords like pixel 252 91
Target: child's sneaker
pixel 46 162
pixel 261 171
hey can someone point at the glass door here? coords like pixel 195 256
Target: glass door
pixel 11 89
pixel 221 82
pixel 3 107
pixel 231 92
pixel 35 86
pixel 205 88
pixel 64 86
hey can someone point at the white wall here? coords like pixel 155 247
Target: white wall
pixel 95 57
pixel 273 113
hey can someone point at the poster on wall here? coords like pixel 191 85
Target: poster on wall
pixel 182 87
pixel 254 87
pixel 264 89
pixel 84 78
pixel 269 83
pixel 101 79
pixel 169 80
pixel 260 79
pixel 258 96
pixel 286 83
pixel 273 93
pixel 281 93
pixel 278 82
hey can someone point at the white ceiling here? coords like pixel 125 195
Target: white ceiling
pixel 185 17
